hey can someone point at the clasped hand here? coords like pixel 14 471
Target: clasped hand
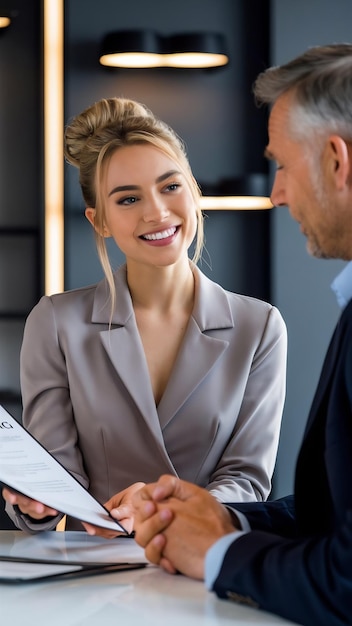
pixel 177 522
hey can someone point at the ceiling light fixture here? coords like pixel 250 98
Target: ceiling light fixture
pixel 146 49
pixel 196 50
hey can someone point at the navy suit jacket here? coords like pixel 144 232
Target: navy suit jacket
pixel 297 561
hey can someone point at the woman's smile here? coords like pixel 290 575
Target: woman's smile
pixel 162 237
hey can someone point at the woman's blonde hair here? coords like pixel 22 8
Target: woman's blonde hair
pixel 93 136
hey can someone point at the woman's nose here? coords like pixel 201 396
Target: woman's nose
pixel 156 209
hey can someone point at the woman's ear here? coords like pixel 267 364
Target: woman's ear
pixel 339 156
pixel 90 215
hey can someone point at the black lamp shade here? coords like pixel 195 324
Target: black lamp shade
pixel 207 43
pixel 131 41
pixel 145 48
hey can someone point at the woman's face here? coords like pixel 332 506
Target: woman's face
pixel 149 208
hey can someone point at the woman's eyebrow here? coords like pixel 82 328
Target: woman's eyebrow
pixel 167 175
pixel 159 179
pixel 123 188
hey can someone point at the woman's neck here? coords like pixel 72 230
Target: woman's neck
pixel 161 288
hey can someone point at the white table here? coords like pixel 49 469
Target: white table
pixel 143 597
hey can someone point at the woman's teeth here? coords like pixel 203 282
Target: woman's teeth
pixel 162 235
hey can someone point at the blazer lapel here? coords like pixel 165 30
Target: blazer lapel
pixel 199 351
pixel 325 376
pixel 198 354
pixel 124 347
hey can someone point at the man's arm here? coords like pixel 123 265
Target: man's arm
pixel 277 516
pixel 304 579
pixel 307 579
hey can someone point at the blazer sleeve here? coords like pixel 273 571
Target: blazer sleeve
pixel 273 516
pixel 307 580
pixel 47 416
pixel 250 454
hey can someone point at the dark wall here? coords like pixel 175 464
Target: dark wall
pixel 21 195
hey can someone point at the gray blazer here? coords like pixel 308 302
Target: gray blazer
pixel 87 395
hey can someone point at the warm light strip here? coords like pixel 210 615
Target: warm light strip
pixel 234 203
pixel 195 60
pixel 4 22
pixel 146 59
pixel 132 59
pixel 53 144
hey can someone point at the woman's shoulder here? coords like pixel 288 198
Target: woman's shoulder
pixel 235 299
pixel 70 296
pixel 64 307
pixel 217 302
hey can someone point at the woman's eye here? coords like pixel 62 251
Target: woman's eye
pixel 173 187
pixel 128 200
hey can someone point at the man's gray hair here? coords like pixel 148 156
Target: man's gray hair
pixel 320 81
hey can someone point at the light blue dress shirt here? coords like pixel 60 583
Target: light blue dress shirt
pixel 216 554
pixel 342 287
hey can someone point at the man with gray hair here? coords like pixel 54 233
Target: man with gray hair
pixel 291 556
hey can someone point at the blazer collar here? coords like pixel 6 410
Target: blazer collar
pixel 211 307
pixel 124 347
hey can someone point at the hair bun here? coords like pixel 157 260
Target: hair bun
pixel 107 113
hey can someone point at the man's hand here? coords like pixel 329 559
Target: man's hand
pixel 36 510
pixel 177 522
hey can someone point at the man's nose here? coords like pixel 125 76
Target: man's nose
pixel 278 196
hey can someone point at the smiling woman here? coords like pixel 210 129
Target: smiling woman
pixel 158 213
pixel 156 369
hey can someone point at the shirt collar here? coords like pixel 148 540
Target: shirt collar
pixel 342 285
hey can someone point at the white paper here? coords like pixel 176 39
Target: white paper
pixel 30 469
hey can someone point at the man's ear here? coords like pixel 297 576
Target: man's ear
pixel 339 158
pixel 90 215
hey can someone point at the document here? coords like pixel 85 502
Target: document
pixel 61 555
pixel 26 570
pixel 26 466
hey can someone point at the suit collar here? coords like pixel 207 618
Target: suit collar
pixel 337 344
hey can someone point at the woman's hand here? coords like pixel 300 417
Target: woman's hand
pixel 121 508
pixel 36 510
